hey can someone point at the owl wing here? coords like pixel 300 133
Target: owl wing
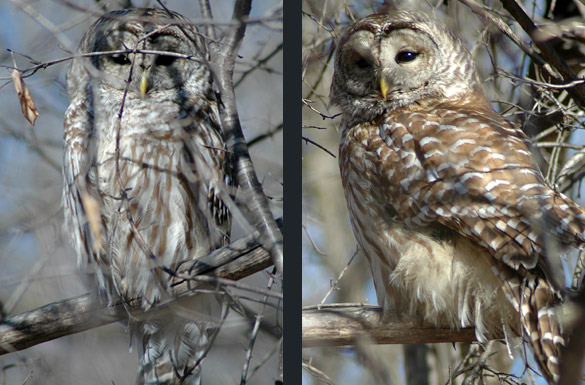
pixel 473 172
pixel 77 126
pixel 211 164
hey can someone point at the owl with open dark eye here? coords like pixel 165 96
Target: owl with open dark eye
pixel 445 199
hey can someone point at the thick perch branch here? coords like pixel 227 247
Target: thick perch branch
pixel 344 324
pixel 234 261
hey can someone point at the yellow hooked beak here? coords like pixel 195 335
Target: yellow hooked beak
pixel 143 84
pixel 384 87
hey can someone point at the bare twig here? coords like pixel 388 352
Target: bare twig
pixel 318 374
pixel 253 336
pixel 308 102
pixel 334 283
pixel 43 65
pixel 267 135
pixel 259 64
pixel 307 140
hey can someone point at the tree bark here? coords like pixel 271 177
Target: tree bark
pixel 343 325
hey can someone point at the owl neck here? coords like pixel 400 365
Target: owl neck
pixel 377 109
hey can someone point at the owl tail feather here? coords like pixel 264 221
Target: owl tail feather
pixel 535 299
pixel 170 353
pixel 541 324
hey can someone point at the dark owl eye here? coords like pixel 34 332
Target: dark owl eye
pixel 120 59
pixel 362 63
pixel 405 56
pixel 163 60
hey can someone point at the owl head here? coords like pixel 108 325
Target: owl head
pixel 389 61
pixel 145 29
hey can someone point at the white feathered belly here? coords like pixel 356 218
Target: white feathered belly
pixel 448 282
pixel 151 208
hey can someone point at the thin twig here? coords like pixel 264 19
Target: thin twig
pixel 334 284
pixel 259 64
pixel 317 145
pixel 267 135
pixel 253 335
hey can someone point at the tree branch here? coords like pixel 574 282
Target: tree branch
pixel 573 362
pixel 343 324
pixel 234 261
pixel 489 16
pixel 207 15
pixel 548 52
pixel 223 59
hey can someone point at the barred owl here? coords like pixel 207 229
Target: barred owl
pixel 146 174
pixel 445 199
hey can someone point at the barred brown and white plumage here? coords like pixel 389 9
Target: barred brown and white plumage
pixel 146 172
pixel 444 196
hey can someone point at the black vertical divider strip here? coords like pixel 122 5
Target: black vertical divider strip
pixel 292 192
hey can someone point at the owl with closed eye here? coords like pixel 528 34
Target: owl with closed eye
pixel 445 198
pixel 146 172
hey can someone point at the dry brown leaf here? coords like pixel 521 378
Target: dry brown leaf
pixel 26 102
pixel 92 212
